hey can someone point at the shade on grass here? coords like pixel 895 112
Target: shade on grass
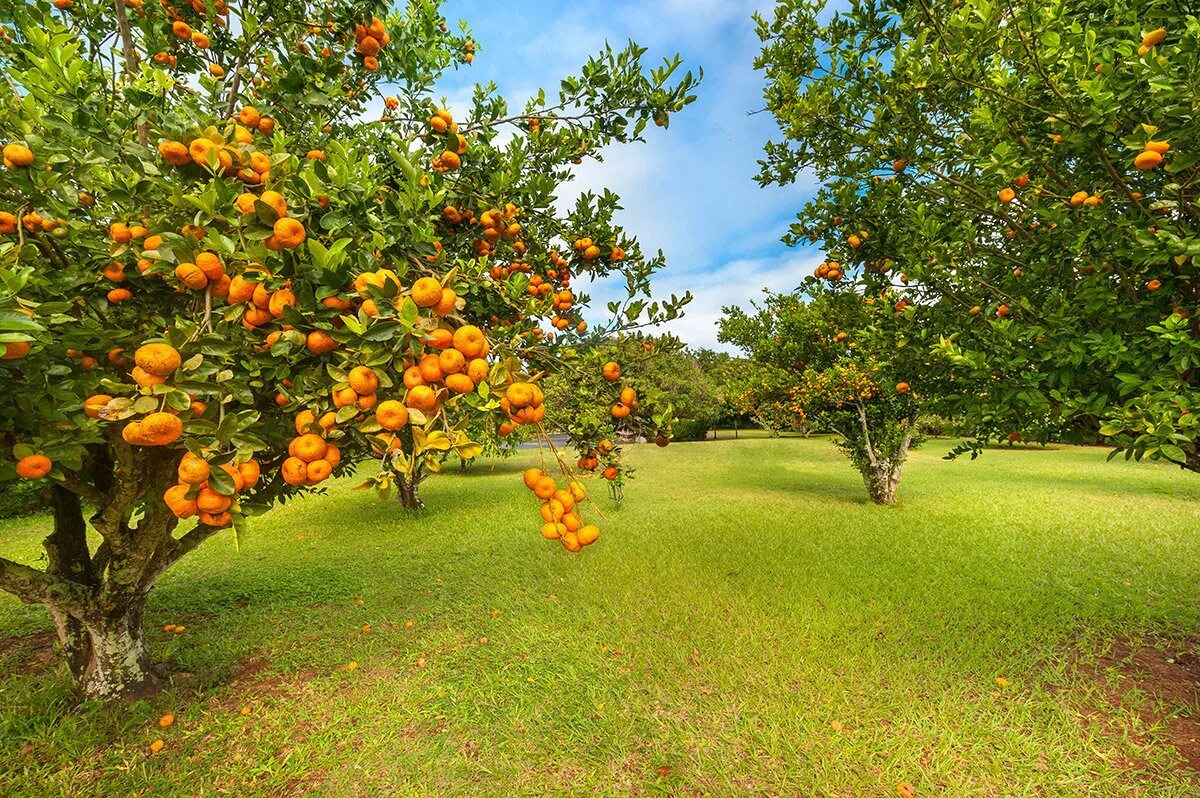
pixel 747 625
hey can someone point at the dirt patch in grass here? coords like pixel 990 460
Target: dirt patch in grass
pixel 32 653
pixel 1159 680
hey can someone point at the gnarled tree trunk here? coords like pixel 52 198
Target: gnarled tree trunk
pixel 408 488
pixel 882 479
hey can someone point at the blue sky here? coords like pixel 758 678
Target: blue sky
pixel 688 190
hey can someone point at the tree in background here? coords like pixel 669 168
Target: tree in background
pixel 1028 173
pixel 220 283
pixel 854 366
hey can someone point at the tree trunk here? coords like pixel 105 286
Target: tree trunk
pixel 882 479
pixel 410 497
pixel 117 660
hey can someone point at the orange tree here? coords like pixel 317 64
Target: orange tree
pixel 851 365
pixel 226 278
pixel 614 396
pixel 1030 173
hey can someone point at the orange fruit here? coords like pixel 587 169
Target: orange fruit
pixel 391 415
pixel 422 398
pixel 460 383
pixel 363 380
pixel 470 340
pixel 430 368
pixel 318 471
pixel 192 469
pixel 174 153
pixel 249 472
pixel 158 359
pixel 34 466
pixel 95 403
pixel 426 292
pixel 319 342
pixel 18 154
pixel 289 233
pixel 545 487
pixel 308 447
pixel 1147 160
pixel 588 535
pixel 611 371
pixel 191 276
pixel 294 471
pixel 176 499
pixel 451 361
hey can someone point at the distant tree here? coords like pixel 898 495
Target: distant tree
pixel 1029 174
pixel 852 365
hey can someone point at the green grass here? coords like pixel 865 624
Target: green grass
pixel 743 603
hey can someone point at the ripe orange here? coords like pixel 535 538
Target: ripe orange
pixel 17 154
pixel 1007 195
pixel 15 350
pixel 249 472
pixel 118 295
pixel 430 368
pixel 289 233
pixel 1148 160
pixel 903 387
pixel 611 371
pixel 545 487
pixel 451 361
pixel 319 342
pixel 308 447
pixel 176 499
pixel 209 501
pixel 95 403
pixel 588 535
pixel 477 370
pixel 174 153
pixel 191 276
pixel 318 471
pixel 34 466
pixel 610 473
pixel 363 380
pixel 391 415
pixel 531 476
pixel 144 378
pixel 158 359
pixel 470 340
pixel 294 471
pixel 460 383
pixel 422 398
pixel 211 265
pixel 344 397
pixel 426 292
pixel 192 469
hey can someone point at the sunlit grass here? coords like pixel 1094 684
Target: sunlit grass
pixel 747 625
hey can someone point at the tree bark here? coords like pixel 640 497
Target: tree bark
pixel 409 490
pixel 68 557
pixel 882 479
pixel 117 660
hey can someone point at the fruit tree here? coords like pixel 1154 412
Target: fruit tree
pixel 1030 172
pixel 253 250
pixel 847 364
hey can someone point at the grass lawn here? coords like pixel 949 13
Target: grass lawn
pixel 747 625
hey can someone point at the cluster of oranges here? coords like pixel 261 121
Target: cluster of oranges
pixel 523 404
pixel 560 510
pixel 286 232
pixel 495 224
pixel 311 457
pixel 1152 155
pixel 591 460
pixel 830 270
pixel 33 222
pixel 443 124
pixel 239 160
pixel 196 495
pixel 458 363
pixel 361 385
pixel 154 363
pixel 369 40
pixel 587 249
